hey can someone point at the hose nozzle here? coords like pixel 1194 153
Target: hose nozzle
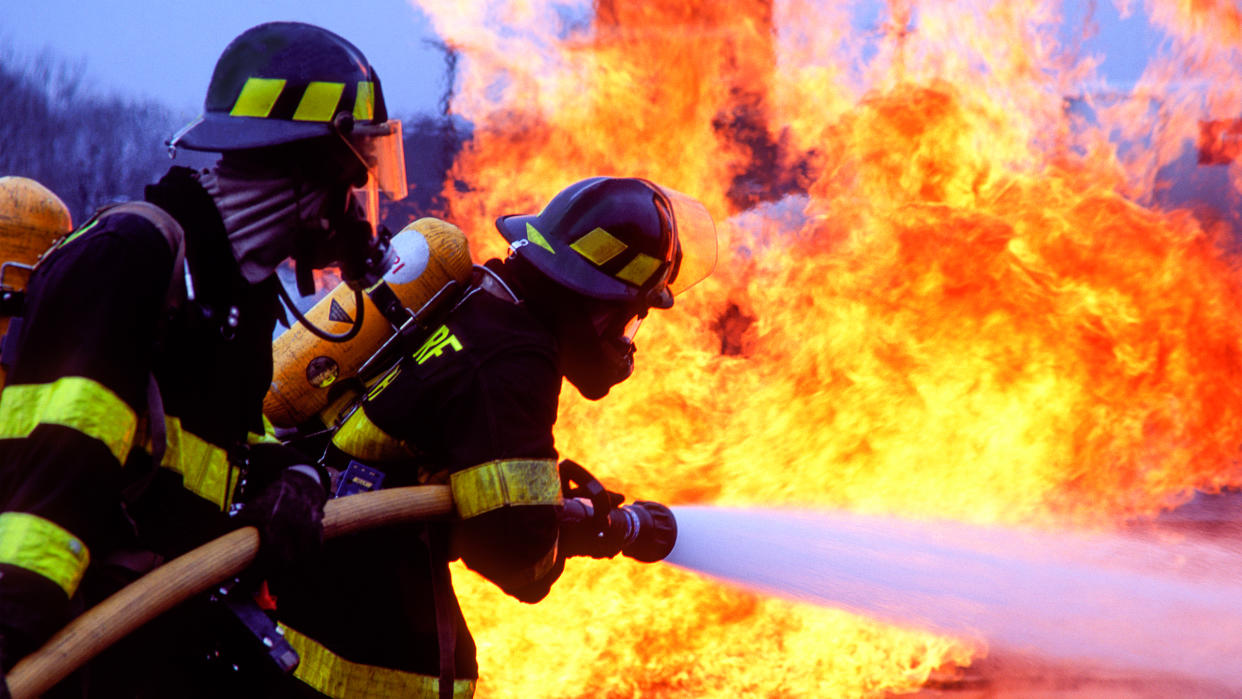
pixel 643 530
pixel 651 530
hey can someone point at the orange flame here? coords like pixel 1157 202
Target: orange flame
pixel 941 292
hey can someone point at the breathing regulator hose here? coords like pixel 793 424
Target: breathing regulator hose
pixel 359 271
pixel 324 334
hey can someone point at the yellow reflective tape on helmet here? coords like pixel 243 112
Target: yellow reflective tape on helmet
pixel 534 236
pixel 204 467
pixel 364 101
pixel 319 102
pixel 334 676
pixel 43 547
pixel 365 441
pixel 75 402
pixel 598 246
pixel 639 270
pixel 496 484
pixel 257 97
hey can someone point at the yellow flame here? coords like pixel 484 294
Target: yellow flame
pixel 941 293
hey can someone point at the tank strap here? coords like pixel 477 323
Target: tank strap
pixel 174 235
pixel 179 286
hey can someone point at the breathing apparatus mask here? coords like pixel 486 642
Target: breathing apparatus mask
pixel 365 159
pixel 597 346
pixel 332 217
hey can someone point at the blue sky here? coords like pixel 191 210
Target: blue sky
pixel 166 50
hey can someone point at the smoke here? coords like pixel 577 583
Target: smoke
pixel 1123 601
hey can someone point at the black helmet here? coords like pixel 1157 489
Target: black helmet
pixel 285 83
pixel 618 239
pixel 281 82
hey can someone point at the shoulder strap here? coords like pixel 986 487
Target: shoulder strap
pixel 173 234
pixel 177 290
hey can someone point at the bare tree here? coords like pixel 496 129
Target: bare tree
pixel 89 148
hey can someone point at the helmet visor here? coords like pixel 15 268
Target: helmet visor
pixel 382 149
pixel 696 241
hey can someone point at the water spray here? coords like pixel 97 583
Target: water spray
pixel 1123 601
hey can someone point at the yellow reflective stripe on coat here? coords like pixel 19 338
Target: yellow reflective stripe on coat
pixel 75 402
pixel 204 467
pixel 334 676
pixel 365 441
pixel 496 484
pixel 268 436
pixel 41 546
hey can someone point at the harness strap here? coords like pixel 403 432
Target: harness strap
pixel 178 286
pixel 173 234
pixel 446 626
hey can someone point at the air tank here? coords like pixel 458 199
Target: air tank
pixel 428 254
pixel 31 219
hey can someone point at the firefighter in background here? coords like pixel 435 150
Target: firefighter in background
pixel 131 423
pixel 473 405
pixel 32 217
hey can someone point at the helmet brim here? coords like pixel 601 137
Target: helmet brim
pixel 220 133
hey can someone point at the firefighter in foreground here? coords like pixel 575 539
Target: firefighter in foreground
pixel 130 423
pixel 472 404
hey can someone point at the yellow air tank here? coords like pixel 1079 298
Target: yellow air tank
pixel 31 219
pixel 428 254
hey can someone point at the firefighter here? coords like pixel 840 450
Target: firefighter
pixel 131 423
pixel 472 404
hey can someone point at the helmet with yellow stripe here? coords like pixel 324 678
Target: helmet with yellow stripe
pixel 599 255
pixel 618 239
pixel 282 82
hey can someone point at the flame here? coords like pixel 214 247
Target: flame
pixel 945 289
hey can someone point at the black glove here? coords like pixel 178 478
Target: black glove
pixel 289 516
pixel 581 534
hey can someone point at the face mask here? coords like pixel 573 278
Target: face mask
pixel 599 353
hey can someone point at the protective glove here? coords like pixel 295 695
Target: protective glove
pixel 289 516
pixel 581 533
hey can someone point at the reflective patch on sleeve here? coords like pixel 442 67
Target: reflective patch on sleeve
pixel 334 676
pixel 257 97
pixel 75 402
pixel 506 482
pixel 204 467
pixel 365 441
pixel 364 101
pixel 319 101
pixel 639 270
pixel 598 246
pixel 43 547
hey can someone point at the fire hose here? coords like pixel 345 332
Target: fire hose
pixel 197 571
pixel 646 531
